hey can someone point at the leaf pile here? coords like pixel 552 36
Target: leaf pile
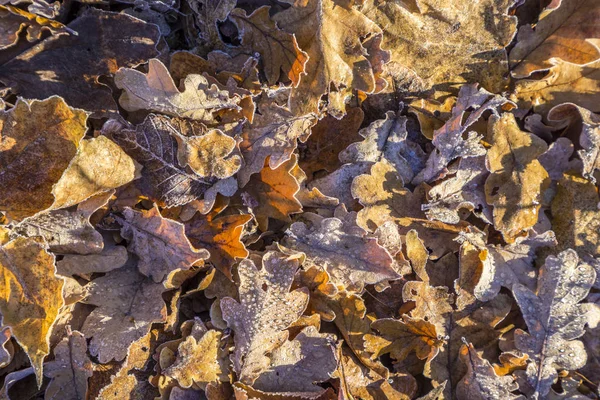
pixel 300 199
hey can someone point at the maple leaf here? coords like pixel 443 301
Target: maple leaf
pixel 447 42
pixel 342 248
pixel 164 180
pixel 160 243
pixel 272 135
pixel 40 155
pixel 70 369
pixel 272 193
pixel 266 308
pixel 343 51
pixel 29 297
pixel 279 50
pixel 564 33
pixel 517 179
pixel 481 381
pixel 127 303
pixel 99 48
pixel 554 319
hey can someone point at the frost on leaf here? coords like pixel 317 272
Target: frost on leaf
pixel 344 53
pixel 70 370
pixel 517 179
pixel 38 139
pixel 127 303
pixel 342 248
pixel 481 381
pixel 153 144
pixel 266 308
pixel 160 243
pixel 554 318
pixel 30 296
pixel 156 92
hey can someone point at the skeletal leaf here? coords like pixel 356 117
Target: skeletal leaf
pixel 272 135
pixel 30 296
pixel 220 235
pixel 554 319
pixel 160 243
pixel 447 42
pixel 266 308
pixel 38 140
pixel 400 337
pixel 576 216
pixel 200 361
pixel 164 180
pixel 481 381
pixel 342 248
pixel 570 32
pixel 156 92
pixel 517 179
pixel 127 303
pixel 589 138
pixel 448 140
pixel 343 48
pixel 70 369
pixel 100 48
pixel 564 83
pixel 272 193
pixel 297 365
pixel 279 50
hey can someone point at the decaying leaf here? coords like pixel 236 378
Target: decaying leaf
pixel 70 369
pixel 554 320
pixel 517 179
pixel 30 296
pixel 160 243
pixel 38 140
pixel 266 308
pixel 342 248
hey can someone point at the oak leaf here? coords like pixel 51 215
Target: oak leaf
pixel 70 369
pixel 30 296
pixel 517 179
pixel 111 257
pixel 342 248
pixel 570 32
pixel 160 243
pixel 39 139
pixel 266 308
pixel 99 48
pixel 554 319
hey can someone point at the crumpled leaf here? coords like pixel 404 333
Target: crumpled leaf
pixel 517 179
pixel 481 381
pixel 279 50
pixel 99 166
pixel 30 297
pixel 207 14
pixel 127 304
pixel 99 48
pixel 156 92
pixel 272 193
pixel 565 33
pixel 448 140
pixel 38 140
pixel 343 48
pixel 589 138
pixel 272 135
pixel 70 369
pixel 163 179
pixel 447 42
pixel 160 243
pixel 554 319
pixel 266 308
pixel 342 248
pixel 298 365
